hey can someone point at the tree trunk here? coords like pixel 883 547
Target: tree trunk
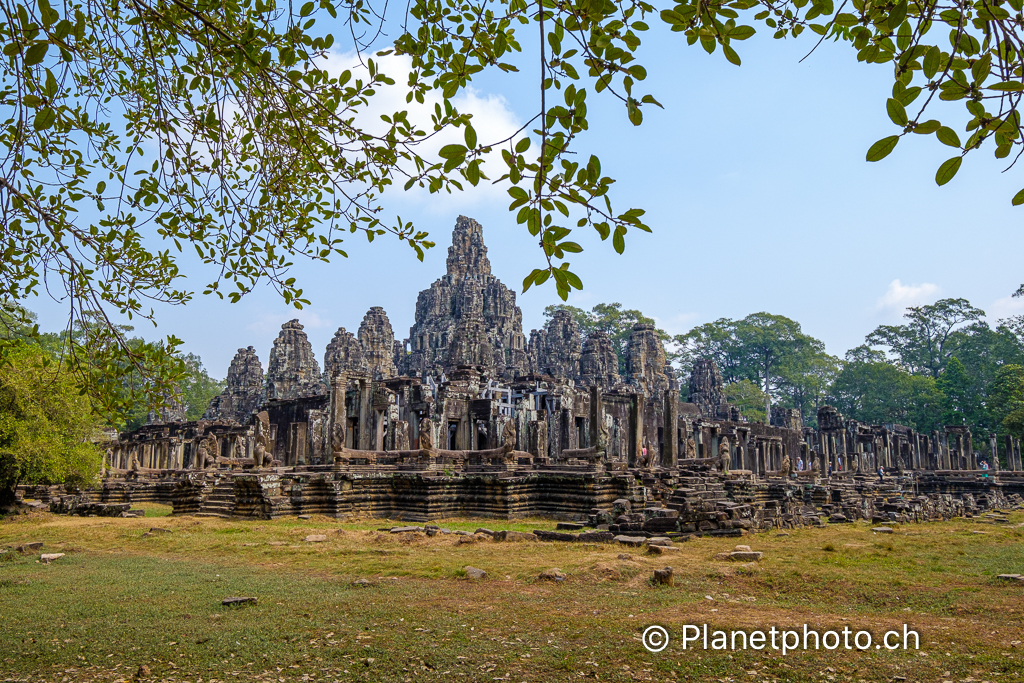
pixel 7 499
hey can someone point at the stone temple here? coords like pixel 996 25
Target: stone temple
pixel 466 416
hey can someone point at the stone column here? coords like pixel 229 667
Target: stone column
pixel 669 457
pixel 597 437
pixel 338 415
pixel 972 458
pixel 636 429
pixel 366 434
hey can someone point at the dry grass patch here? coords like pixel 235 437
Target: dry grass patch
pixel 119 600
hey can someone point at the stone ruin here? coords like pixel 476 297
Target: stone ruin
pixel 464 417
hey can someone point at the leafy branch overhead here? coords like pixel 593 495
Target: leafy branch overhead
pixel 140 131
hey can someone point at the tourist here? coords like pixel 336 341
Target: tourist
pixel 799 464
pixel 881 474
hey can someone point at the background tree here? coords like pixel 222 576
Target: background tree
pixel 769 350
pixel 927 341
pixel 748 398
pixel 46 424
pixel 963 403
pixel 611 319
pixel 715 340
pixel 1007 400
pixel 806 379
pixel 871 390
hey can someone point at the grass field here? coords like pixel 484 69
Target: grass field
pixel 119 601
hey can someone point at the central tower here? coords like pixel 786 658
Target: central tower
pixel 467 317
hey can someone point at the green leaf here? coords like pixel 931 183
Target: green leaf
pixel 470 137
pixel 741 32
pixel 1007 86
pixel 897 15
pixel 731 55
pixel 897 112
pixel 1018 198
pixel 36 53
pixel 948 169
pixel 927 127
pixel 931 61
pixel 306 10
pixel 452 151
pixel 44 119
pixel 882 148
pixel 523 145
pixel 618 241
pixel 948 136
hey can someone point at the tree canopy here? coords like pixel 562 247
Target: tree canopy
pixel 770 351
pixel 137 131
pixel 46 424
pixel 614 320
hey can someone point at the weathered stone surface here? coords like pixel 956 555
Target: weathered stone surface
pixel 315 538
pixel 659 540
pixel 556 349
pixel 293 371
pixel 482 530
pixel 174 411
pixel 664 577
pixel 475 574
pixel 662 549
pixel 32 546
pixel 645 360
pixel 631 541
pixel 1011 577
pixel 513 536
pixel 745 556
pixel 568 526
pixel 599 364
pixel 244 387
pixel 467 317
pixel 344 355
pixel 706 388
pixel 238 601
pixel 405 529
pixel 378 342
pixel 47 558
pixel 553 574
pixel 882 530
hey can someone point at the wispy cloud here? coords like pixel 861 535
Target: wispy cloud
pixel 899 296
pixel 270 323
pixel 676 324
pixel 1004 308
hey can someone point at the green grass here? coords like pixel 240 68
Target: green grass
pixel 119 600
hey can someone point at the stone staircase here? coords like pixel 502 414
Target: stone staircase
pixel 219 501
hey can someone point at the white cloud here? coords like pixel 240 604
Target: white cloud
pixel 1004 308
pixel 679 323
pixel 899 296
pixel 493 120
pixel 270 323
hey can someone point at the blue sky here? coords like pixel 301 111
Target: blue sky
pixel 756 187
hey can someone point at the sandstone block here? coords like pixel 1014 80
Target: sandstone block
pixel 664 577
pixel 553 574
